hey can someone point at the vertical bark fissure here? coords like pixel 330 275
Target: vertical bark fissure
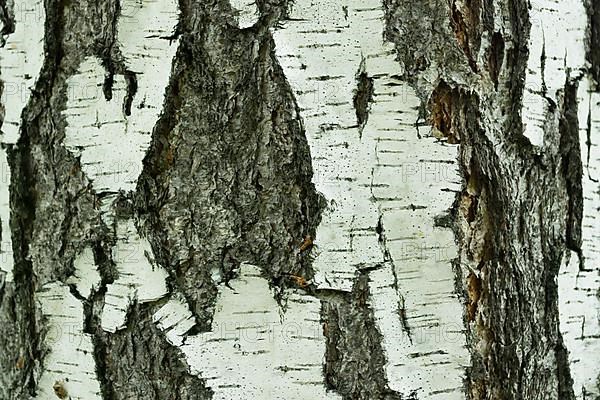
pixel 22 335
pixel 509 257
pixel 44 176
pixel 353 341
pixel 572 165
pixel 593 38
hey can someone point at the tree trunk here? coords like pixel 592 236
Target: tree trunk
pixel 374 199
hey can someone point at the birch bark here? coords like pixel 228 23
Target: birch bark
pixel 310 199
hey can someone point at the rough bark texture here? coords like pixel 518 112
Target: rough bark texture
pixel 164 236
pixel 350 357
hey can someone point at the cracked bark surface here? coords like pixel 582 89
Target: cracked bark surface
pixel 229 200
pixel 349 357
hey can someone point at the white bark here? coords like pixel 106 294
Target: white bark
pixel 86 276
pixel 70 362
pixel 579 285
pixel 257 350
pixel 111 154
pixel 132 255
pixel 111 147
pixel 556 45
pixel 382 172
pixel 175 320
pixel 6 245
pixel 22 56
pixel 247 12
pixel 557 51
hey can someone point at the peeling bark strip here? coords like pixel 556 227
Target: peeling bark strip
pixel 138 363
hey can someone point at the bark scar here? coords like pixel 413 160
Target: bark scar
pixel 363 96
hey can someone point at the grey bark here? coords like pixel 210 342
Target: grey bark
pixel 230 141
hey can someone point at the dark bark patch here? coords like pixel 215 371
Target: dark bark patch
pixel 363 96
pixel 132 87
pixel 495 57
pixel 465 23
pixel 354 358
pixel 572 166
pixel 138 363
pixel 588 142
pixel 474 293
pixel 8 19
pixel 442 103
pixel 593 38
pixel 231 144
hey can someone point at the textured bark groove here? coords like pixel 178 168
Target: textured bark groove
pixel 365 170
pixel 593 37
pixel 147 365
pixel 349 356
